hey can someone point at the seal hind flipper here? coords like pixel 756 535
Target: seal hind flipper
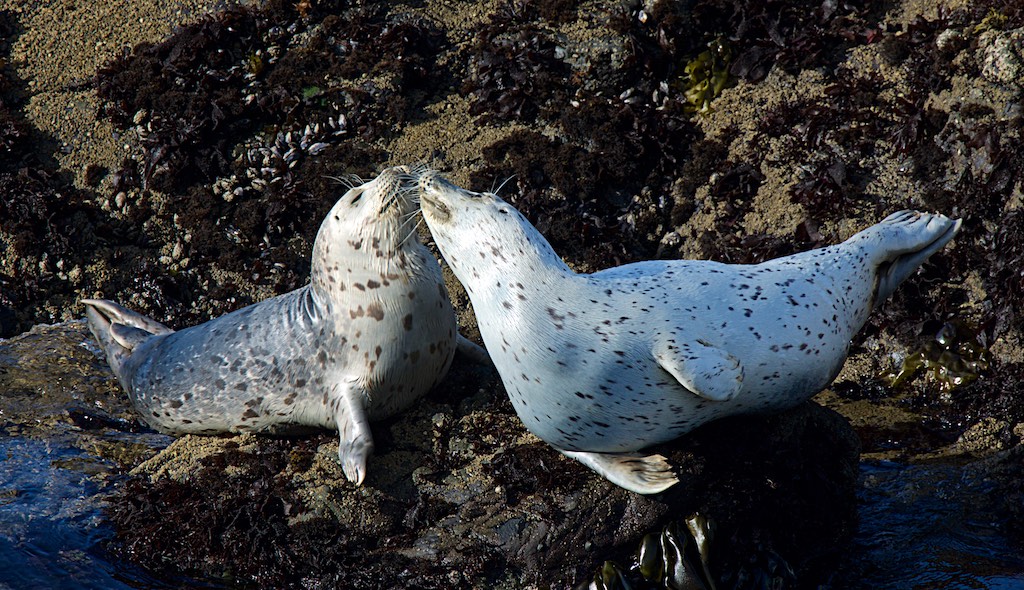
pixel 912 237
pixel 648 474
pixel 119 330
pixel 115 313
pixel 355 444
pixel 703 369
pixel 128 336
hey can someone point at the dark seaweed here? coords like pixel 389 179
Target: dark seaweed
pixel 794 35
pixel 189 94
pixel 510 71
pixel 40 217
pixel 196 94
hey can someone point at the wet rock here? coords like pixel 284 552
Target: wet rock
pixel 51 373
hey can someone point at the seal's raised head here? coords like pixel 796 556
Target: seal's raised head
pixel 496 228
pixel 380 208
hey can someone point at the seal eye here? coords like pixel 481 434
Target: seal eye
pixel 503 211
pixel 355 199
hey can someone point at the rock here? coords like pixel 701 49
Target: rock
pixel 51 371
pixel 461 494
pixel 1001 56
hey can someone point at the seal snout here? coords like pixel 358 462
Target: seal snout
pixel 435 192
pixel 433 207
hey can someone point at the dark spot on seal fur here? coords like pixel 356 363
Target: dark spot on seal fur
pixel 375 311
pixel 407 320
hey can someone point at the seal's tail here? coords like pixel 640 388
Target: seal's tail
pixel 119 330
pixel 907 239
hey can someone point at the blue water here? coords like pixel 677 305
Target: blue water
pixel 51 526
pixel 930 526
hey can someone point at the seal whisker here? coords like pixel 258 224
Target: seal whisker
pixel 349 181
pixel 414 230
pixel 502 185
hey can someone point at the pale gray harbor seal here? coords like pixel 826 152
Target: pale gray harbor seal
pixel 603 365
pixel 373 331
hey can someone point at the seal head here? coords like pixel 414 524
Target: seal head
pixel 373 331
pixel 601 366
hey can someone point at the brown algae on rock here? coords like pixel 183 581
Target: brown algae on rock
pixel 958 354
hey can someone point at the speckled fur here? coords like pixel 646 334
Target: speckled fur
pixel 640 354
pixel 372 331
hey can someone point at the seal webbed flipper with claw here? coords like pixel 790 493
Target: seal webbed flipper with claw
pixel 643 474
pixel 914 236
pixel 355 443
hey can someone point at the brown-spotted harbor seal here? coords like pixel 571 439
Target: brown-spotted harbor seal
pixel 372 331
pixel 603 365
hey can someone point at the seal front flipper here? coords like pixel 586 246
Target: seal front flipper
pixel 356 441
pixel 637 473
pixel 471 350
pixel 705 370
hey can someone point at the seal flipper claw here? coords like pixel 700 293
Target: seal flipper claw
pixel 472 351
pixel 356 441
pixel 705 370
pixel 648 474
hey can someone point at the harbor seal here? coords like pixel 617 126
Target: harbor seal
pixel 601 366
pixel 372 331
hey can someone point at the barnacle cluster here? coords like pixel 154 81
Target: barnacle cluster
pixel 676 559
pixel 273 163
pixel 955 356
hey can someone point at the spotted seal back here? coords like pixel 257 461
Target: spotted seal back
pixel 372 332
pixel 603 365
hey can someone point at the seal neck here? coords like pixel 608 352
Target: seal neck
pixel 374 255
pixel 529 257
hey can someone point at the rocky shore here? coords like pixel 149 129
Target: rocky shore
pixel 179 177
